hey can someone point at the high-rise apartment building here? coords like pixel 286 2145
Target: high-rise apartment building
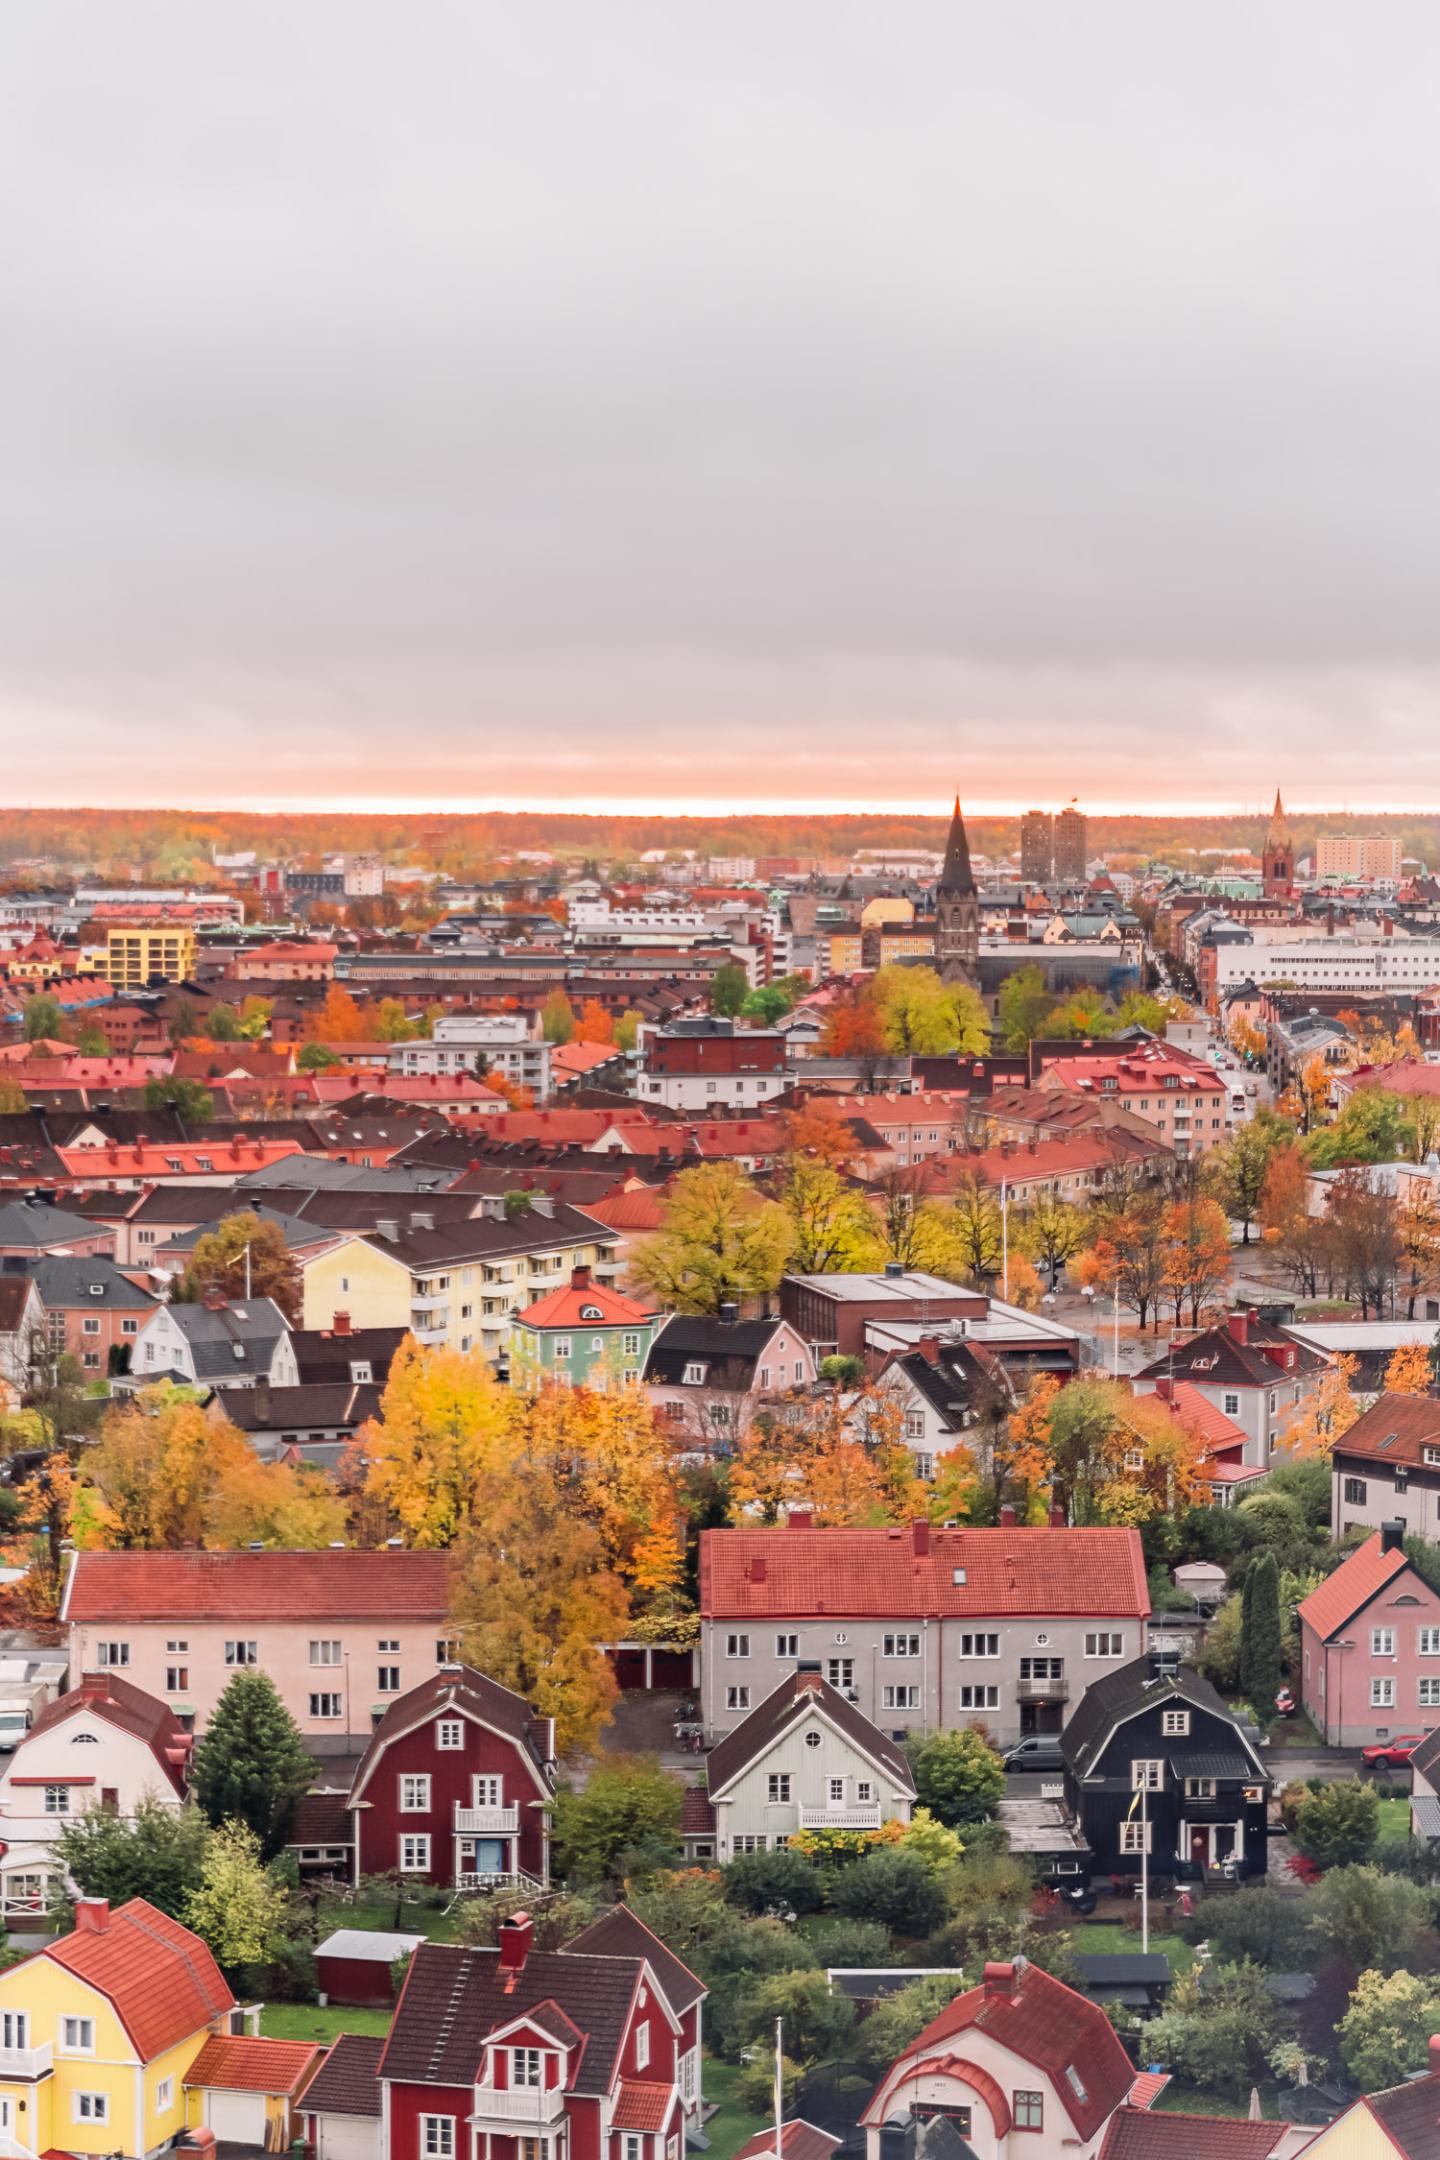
pixel 1037 847
pixel 1362 856
pixel 1070 848
pixel 141 953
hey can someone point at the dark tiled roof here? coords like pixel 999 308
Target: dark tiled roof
pixel 63 1280
pixel 1217 1359
pixel 621 1933
pixel 1130 1687
pixel 790 1704
pixel 322 1818
pixel 347 2082
pixel 296 1409
pixel 453 1999
pixel 730 1354
pixel 34 1224
pixel 324 1356
pixel 463 1688
pixel 1410 2115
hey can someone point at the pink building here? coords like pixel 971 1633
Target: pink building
pixel 1370 1647
pixel 341 1633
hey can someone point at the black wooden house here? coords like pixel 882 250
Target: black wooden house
pixel 1153 1755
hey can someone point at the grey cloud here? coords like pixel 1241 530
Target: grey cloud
pixel 701 393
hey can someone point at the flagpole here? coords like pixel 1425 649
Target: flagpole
pixel 1004 1238
pixel 1145 1868
pixel 779 2089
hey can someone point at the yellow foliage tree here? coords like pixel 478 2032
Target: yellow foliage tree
pixel 719 1241
pixel 607 1453
pixel 447 1434
pixel 1408 1372
pixel 1327 1414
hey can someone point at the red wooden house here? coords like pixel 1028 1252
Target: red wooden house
pixel 455 1787
pixel 523 2054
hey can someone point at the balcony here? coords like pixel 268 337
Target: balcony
pixel 27 2062
pixel 1056 1690
pixel 486 1821
pixel 430 1327
pixel 865 1815
pixel 426 1300
pixel 527 2106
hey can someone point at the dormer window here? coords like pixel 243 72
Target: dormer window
pixel 527 2067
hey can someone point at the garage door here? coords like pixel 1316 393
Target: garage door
pixel 237 2118
pixel 348 2137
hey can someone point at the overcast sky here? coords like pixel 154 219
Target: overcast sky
pixel 755 401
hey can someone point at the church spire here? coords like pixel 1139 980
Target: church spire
pixel 1278 828
pixel 957 878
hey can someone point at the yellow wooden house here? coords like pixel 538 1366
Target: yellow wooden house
pixel 99 2030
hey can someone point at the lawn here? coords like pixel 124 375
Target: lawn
pixel 1394 1817
pixel 307 2021
pixel 378 1914
pixel 730 2126
pixel 1111 1938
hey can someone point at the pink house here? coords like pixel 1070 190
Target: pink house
pixel 342 1633
pixel 1370 1647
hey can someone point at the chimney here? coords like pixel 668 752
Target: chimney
pixel 1392 1537
pixel 341 1324
pixel 94 1687
pixel 388 1228
pixel 799 1518
pixel 729 1313
pixel 515 1934
pixel 920 1538
pixel 1165 1389
pixel 893 1270
pixel 580 1278
pixel 999 1981
pixel 1239 1326
pixel 1057 1517
pixel 1007 1516
pixel 1435 2055
pixel 92 1915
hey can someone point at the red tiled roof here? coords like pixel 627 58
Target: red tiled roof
pixel 641 1209
pixel 642 2107
pixel 1136 2134
pixel 117 1702
pixel 1045 2023
pixel 1395 1428
pixel 591 1305
pixel 1204 1418
pixel 162 1980
pixel 1148 2086
pixel 798 2141
pixel 1352 1586
pixel 1054 1572
pixel 329 1585
pixel 245 2064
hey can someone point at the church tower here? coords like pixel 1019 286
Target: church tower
pixel 1278 856
pixel 957 911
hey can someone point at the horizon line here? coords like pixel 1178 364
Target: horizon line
pixel 729 807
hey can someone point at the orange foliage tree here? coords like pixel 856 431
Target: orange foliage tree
pixel 593 1024
pixel 1327 1413
pixel 1409 1372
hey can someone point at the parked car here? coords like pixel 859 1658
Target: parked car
pixel 1037 1751
pixel 1391 1754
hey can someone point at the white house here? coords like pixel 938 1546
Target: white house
pixel 215 1345
pixel 804 1759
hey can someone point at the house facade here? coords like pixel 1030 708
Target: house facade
pixel 1386 1468
pixel 1370 1647
pixel 708 1375
pixel 105 1745
pixel 455 1787
pixel 584 1335
pixel 1254 1373
pixel 100 2029
pixel 920 1627
pixel 543 2053
pixel 1155 1763
pixel 804 1759
pixel 216 1345
pixel 1019 2065
pixel 342 1633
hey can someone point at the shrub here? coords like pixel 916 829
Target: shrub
pixel 894 1887
pixel 777 1881
pixel 1385 2033
pixel 1338 1824
pixel 1258 1923
pixel 1369 1918
pixel 895 2021
pixel 958 1775
pixel 1218 2038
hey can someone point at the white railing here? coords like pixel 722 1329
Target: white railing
pixel 27 2062
pixel 427 1331
pixel 865 1816
pixel 521 2104
pixel 486 1821
pixel 498 1879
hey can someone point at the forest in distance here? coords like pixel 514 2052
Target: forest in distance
pixel 182 844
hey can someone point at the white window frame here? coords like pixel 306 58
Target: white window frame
pixel 1147 1773
pixel 642 2045
pixel 90 2107
pixel 1382 1692
pixel 1382 1642
pixel 327 1650
pixel 82 2042
pixel 737 1646
pixel 737 1698
pixel 1104 1643
pixel 1135 1837
pixel 415 1792
pixel 985 1643
pixel 242 1655
pixel 164 2095
pixel 437 2137
pixel 787 1646
pixel 527 2069
pixel 449 1734
pixel 777 1788
pixel 414 1852
pixel 112 1656
pixel 981 1694
pixel 899 1696
pixel 320 1714
pixel 1175 1724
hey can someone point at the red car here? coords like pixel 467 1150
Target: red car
pixel 1391 1754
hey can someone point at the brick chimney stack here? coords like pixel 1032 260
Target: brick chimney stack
pixel 999 1981
pixel 515 1938
pixel 92 1915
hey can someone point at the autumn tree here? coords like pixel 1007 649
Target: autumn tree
pixel 626 1028
pixel 1365 1237
pixel 923 1017
pixel 1326 1414
pixel 337 1019
pixel 729 986
pixel 446 1438
pixel 1025 1006
pixel 855 1028
pixel 913 1230
pixel 557 1017
pixel 1053 1231
pixel 1408 1372
pixel 243 1256
pixel 193 1101
pixel 1197 1255
pixel 1238 1169
pixel 608 1455
pixel 511 1092
pixel 1128 1255
pixel 531 1601
pixel 1419 1227
pixel 594 1024
pixel 719 1241
pixel 974 1224
pixel 830 1224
